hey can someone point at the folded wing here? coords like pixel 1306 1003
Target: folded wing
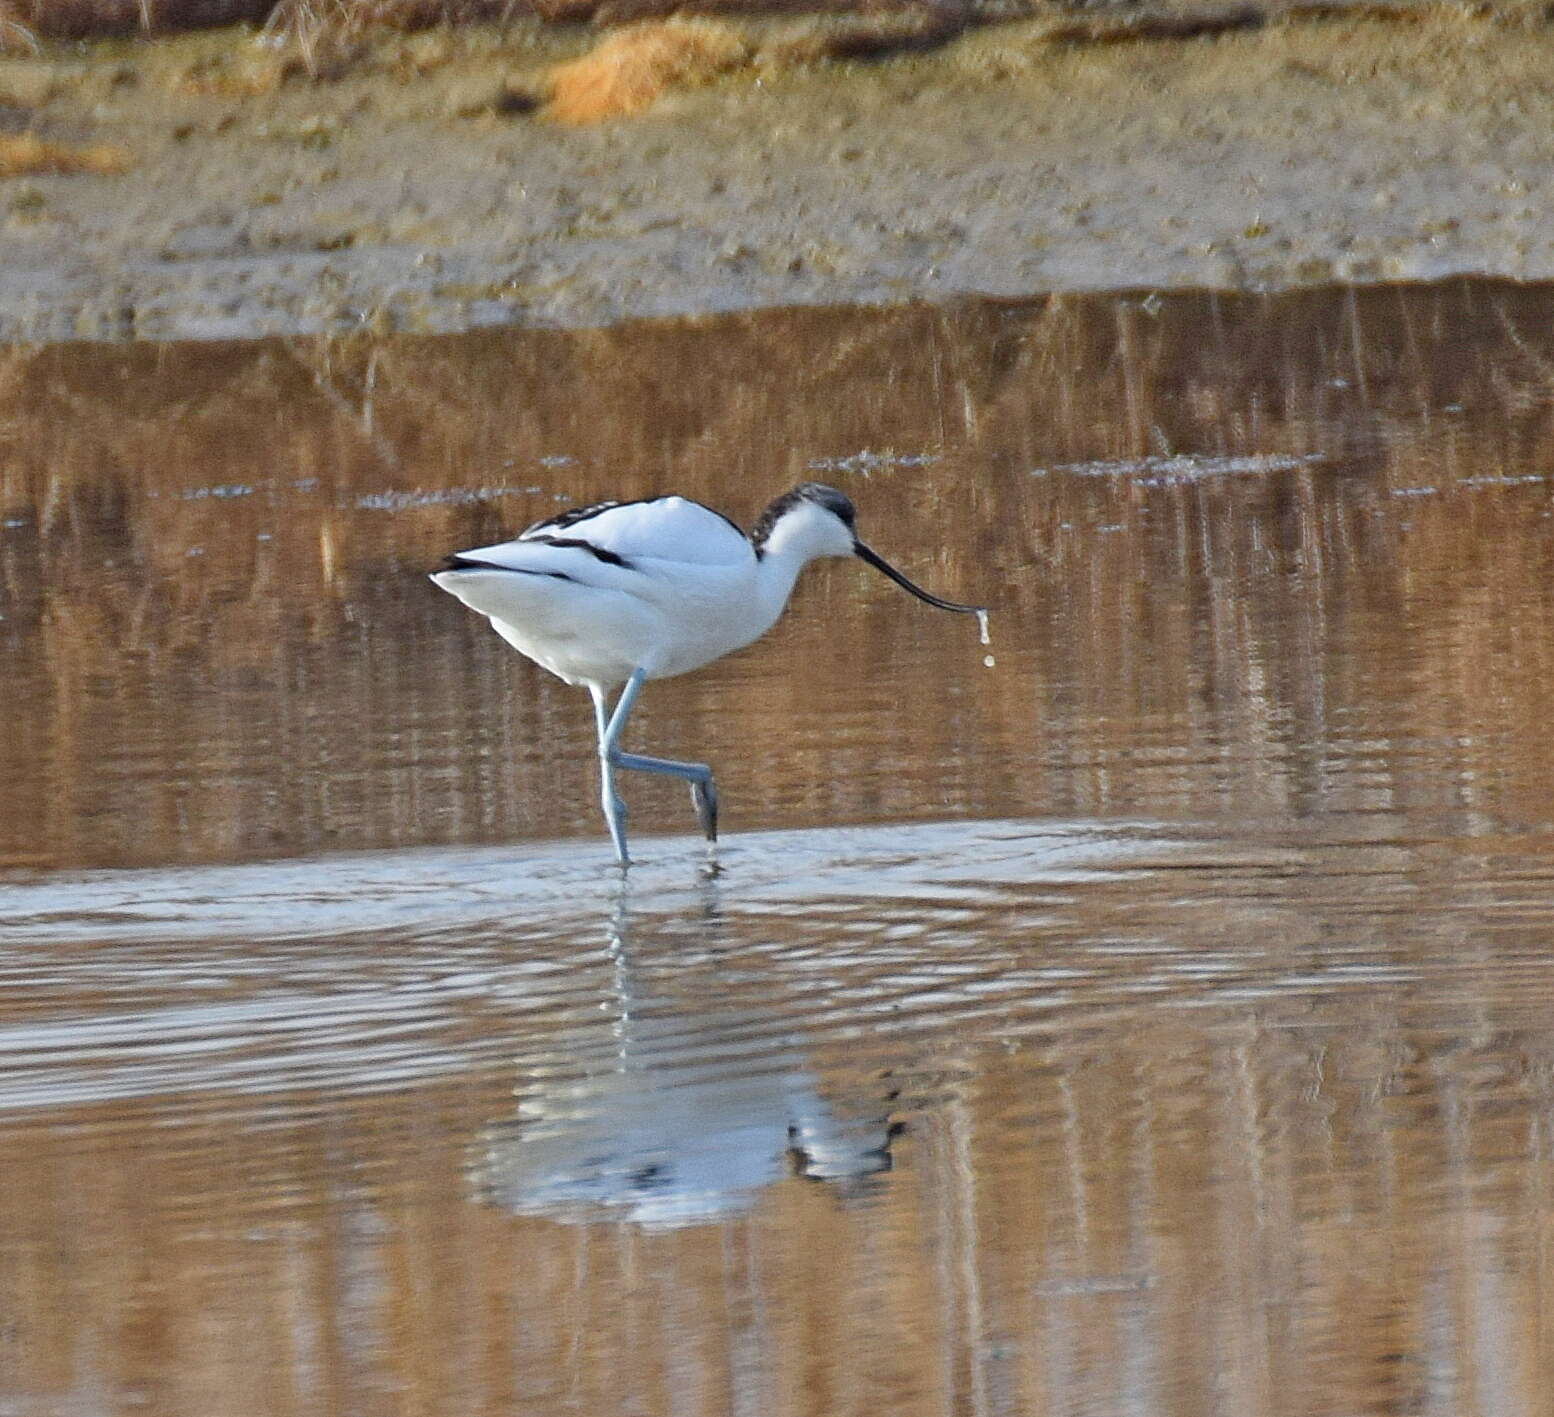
pixel 670 529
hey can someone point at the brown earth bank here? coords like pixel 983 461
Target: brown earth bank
pixel 233 183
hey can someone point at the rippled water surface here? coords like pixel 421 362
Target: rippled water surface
pixel 1158 1021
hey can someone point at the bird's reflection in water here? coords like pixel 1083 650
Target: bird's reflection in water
pixel 697 1106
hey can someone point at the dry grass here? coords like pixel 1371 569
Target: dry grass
pixel 360 16
pixel 327 35
pixel 15 37
pixel 634 67
pixel 298 19
pixel 304 22
pixel 27 155
pixel 77 19
pixel 861 35
pixel 303 19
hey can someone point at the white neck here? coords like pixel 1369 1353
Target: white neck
pixel 802 536
pixel 775 575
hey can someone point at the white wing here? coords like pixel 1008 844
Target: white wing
pixel 594 594
pixel 663 529
pixel 578 562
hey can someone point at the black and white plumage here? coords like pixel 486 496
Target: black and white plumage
pixel 614 594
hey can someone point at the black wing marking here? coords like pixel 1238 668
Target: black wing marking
pixel 571 517
pixel 459 562
pixel 574 516
pixel 576 543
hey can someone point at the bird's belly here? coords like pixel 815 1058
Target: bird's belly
pixel 591 635
pixel 585 657
pixel 680 654
pixel 580 633
pixel 569 654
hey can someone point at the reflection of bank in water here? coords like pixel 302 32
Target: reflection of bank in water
pixel 684 1121
pixel 1248 554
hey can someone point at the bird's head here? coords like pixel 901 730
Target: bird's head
pixel 815 520
pixel 810 521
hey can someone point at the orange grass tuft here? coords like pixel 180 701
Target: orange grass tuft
pixel 27 155
pixel 632 68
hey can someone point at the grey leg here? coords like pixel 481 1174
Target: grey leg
pixel 614 808
pixel 703 794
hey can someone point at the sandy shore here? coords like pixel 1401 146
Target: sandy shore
pixel 410 192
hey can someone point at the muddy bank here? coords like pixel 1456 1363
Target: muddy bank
pixel 411 186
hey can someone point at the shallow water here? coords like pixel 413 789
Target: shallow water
pixel 1156 1021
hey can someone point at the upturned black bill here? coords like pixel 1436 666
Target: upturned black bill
pixel 881 564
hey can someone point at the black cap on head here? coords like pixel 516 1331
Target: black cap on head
pixel 837 503
pixel 829 498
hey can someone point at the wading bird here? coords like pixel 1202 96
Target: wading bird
pixel 617 593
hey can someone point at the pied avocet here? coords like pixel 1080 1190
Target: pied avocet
pixel 617 593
